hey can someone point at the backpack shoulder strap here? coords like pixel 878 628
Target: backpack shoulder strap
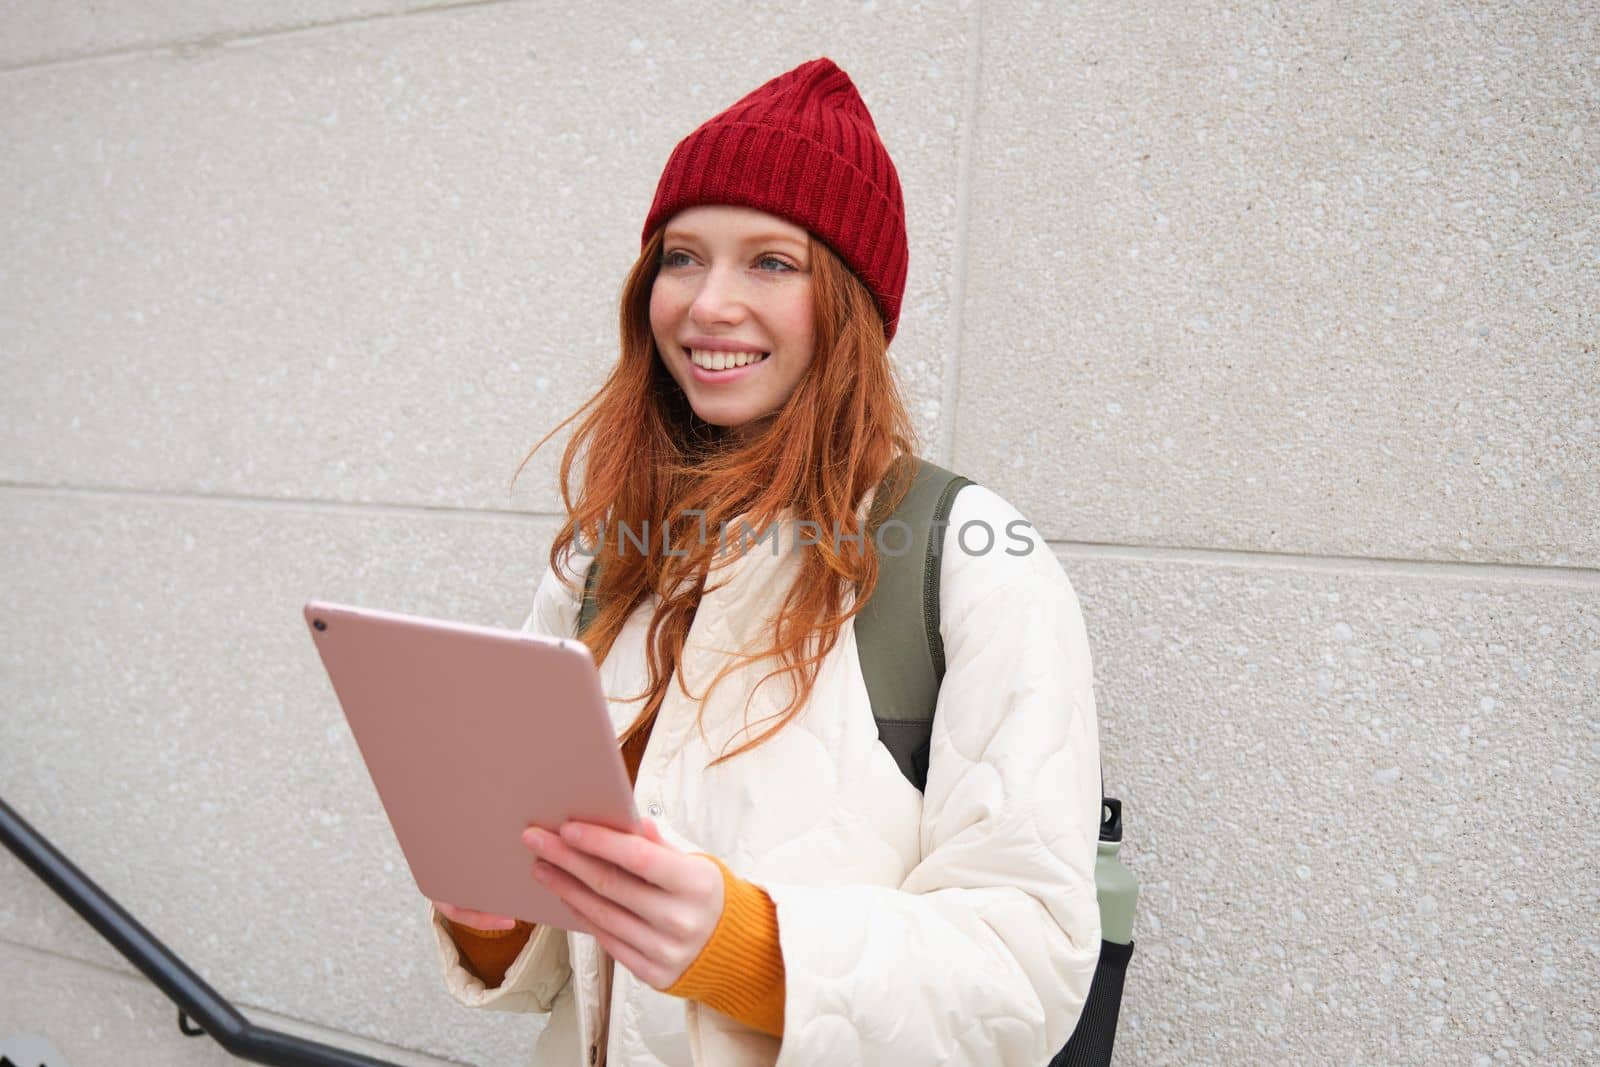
pixel 897 630
pixel 590 606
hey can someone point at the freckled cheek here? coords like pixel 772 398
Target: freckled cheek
pixel 667 309
pixel 800 334
pixel 658 312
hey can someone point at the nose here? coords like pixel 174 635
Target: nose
pixel 720 298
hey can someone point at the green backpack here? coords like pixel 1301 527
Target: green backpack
pixel 902 662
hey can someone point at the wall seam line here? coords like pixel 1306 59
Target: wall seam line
pixel 182 47
pixel 1536 572
pixel 1583 578
pixel 950 384
pixel 361 507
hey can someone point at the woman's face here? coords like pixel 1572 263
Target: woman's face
pixel 731 311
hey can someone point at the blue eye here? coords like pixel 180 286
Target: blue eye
pixel 679 258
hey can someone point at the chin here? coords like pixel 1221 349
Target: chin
pixel 727 420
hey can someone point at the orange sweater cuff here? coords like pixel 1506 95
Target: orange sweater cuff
pixel 490 953
pixel 740 971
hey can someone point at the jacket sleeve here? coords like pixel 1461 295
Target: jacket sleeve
pixel 985 953
pixel 532 982
pixel 542 969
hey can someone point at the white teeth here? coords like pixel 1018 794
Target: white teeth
pixel 724 360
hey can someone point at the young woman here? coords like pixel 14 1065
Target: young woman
pixel 792 898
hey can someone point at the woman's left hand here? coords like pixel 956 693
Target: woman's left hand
pixel 651 907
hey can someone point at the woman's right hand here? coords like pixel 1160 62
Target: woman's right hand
pixel 477 920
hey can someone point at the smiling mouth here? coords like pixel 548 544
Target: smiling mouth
pixel 715 361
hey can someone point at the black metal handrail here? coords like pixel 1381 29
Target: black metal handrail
pixel 216 1016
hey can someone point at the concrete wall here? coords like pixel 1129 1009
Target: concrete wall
pixel 1279 321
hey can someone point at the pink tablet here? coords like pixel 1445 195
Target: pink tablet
pixel 472 734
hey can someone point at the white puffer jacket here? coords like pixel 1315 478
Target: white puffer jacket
pixel 954 926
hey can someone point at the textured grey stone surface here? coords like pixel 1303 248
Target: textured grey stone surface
pixel 39 31
pixel 1313 279
pixel 95 1017
pixel 392 248
pixel 169 726
pixel 1361 802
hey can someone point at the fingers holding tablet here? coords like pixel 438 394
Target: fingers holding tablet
pixel 477 920
pixel 652 907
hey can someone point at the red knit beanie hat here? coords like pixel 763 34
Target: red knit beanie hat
pixel 804 148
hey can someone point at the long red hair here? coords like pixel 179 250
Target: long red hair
pixel 649 462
